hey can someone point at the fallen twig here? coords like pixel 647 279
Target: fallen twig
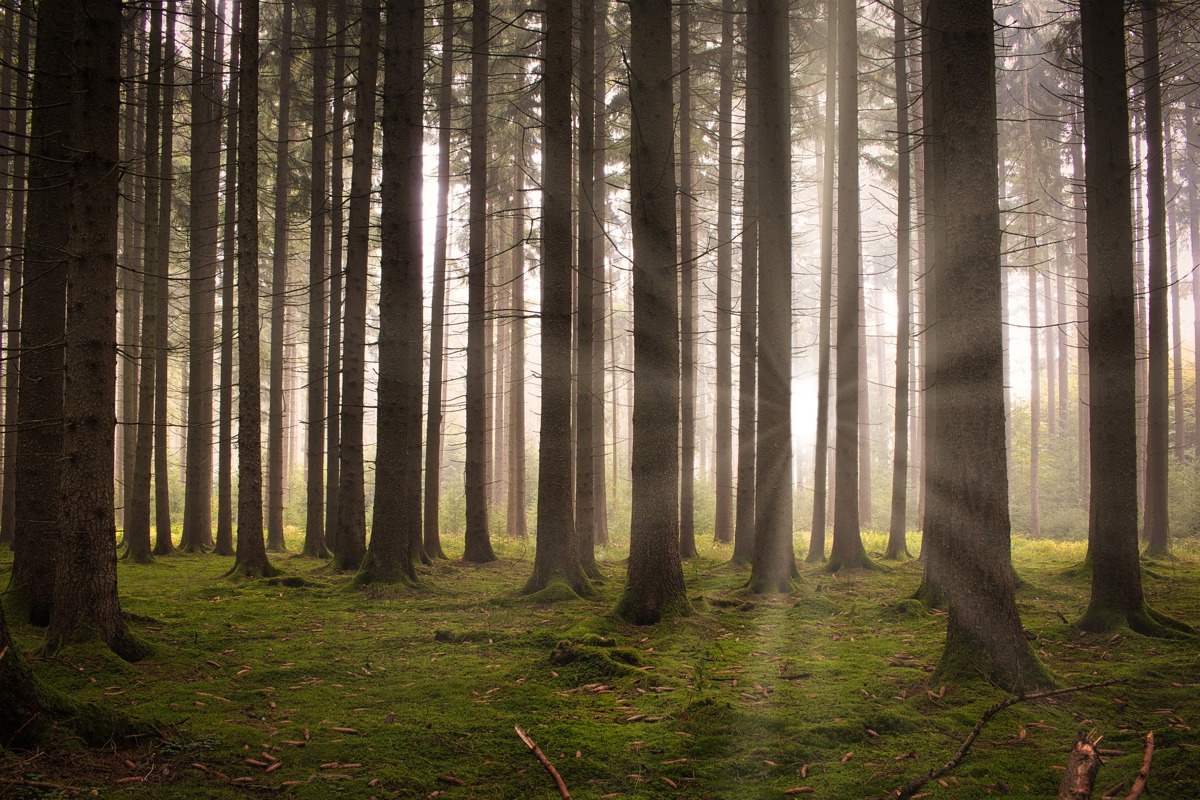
pixel 1079 778
pixel 910 788
pixel 558 781
pixel 1139 783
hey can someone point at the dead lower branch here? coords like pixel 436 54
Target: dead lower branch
pixel 1139 783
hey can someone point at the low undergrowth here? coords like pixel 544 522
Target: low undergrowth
pixel 303 686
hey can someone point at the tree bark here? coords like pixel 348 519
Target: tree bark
pixel 687 312
pixel 600 282
pixel 516 526
pixel 128 276
pixel 333 431
pixel 585 485
pixel 723 514
pixel 655 586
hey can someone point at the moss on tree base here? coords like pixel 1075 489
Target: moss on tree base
pixel 967 658
pixel 646 611
pixel 1143 619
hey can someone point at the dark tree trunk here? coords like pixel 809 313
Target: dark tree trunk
pixel 516 393
pixel 333 431
pixel 437 312
pixel 1157 523
pixel 251 556
pixel 773 564
pixel 585 486
pixel 600 304
pixel 23 718
pixel 968 529
pixel 279 262
pixel 743 531
pixel 396 525
pixel 352 522
pixel 85 602
pixel 38 465
pixel 1117 598
pixel 224 544
pixel 1079 245
pixel 723 516
pixel 557 557
pixel 318 259
pixel 655 587
pixel 847 551
pixel 897 545
pixel 687 312
pixel 816 542
pixel 129 274
pixel 202 269
pixel 478 546
pixel 163 544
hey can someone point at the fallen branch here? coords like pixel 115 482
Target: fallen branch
pixel 1080 776
pixel 1139 783
pixel 558 781
pixel 910 788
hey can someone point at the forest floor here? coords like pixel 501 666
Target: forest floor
pixel 299 685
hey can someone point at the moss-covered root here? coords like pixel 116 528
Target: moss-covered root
pixel 838 563
pixel 772 584
pixel 557 587
pixel 1143 619
pixel 252 571
pixel 650 610
pixel 1012 666
pixel 930 594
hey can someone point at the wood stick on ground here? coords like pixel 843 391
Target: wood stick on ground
pixel 1139 783
pixel 1080 776
pixel 558 781
pixel 910 788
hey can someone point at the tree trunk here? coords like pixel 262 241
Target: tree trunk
pixel 600 304
pixel 38 464
pixel 202 269
pixel 968 529
pixel 687 313
pixel 1177 418
pixel 251 553
pixel 816 542
pixel 478 546
pixel 723 516
pixel 655 585
pixel 396 528
pixel 85 602
pixel 279 262
pixel 897 531
pixel 1117 597
pixel 1194 242
pixel 129 274
pixel 773 563
pixel 1157 523
pixel 743 531
pixel 585 486
pixel 437 324
pixel 1079 245
pixel 333 431
pixel 352 522
pixel 1035 405
pixel 558 553
pixel 516 393
pixel 847 551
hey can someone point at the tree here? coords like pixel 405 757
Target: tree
pixel 773 564
pixel 847 551
pixel 333 432
pixel 1157 522
pixel 351 521
pixel 396 529
pixel 1116 597
pixel 723 518
pixel 655 585
pixel 897 532
pixel 478 546
pixel 687 312
pixel 586 280
pixel 967 529
pixel 318 259
pixel 558 553
pixel 251 553
pixel 600 302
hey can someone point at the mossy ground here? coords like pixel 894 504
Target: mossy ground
pixel 405 692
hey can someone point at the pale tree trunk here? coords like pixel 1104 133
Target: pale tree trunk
pixel 516 526
pixel 1079 246
pixel 1176 357
pixel 224 543
pixel 723 518
pixel 600 304
pixel 1035 365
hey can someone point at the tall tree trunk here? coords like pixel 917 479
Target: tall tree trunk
pixel 333 430
pixel 558 553
pixel 352 523
pixel 202 227
pixel 163 544
pixel 1194 243
pixel 1117 597
pixel 816 542
pixel 1035 364
pixel 655 585
pixel 743 531
pixel 847 550
pixel 279 262
pixel 1157 523
pixel 1176 357
pixel 968 529
pixel 516 393
pixel 478 546
pixel 1051 359
pixel 437 314
pixel 17 258
pixel 723 514
pixel 585 486
pixel 85 603
pixel 318 258
pixel 1079 245
pixel 601 284
pixel 687 312
pixel 396 529
pixel 224 544
pixel 897 531
pixel 251 552
pixel 773 563
pixel 38 466
pixel 128 275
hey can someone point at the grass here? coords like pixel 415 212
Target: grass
pixel 412 692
